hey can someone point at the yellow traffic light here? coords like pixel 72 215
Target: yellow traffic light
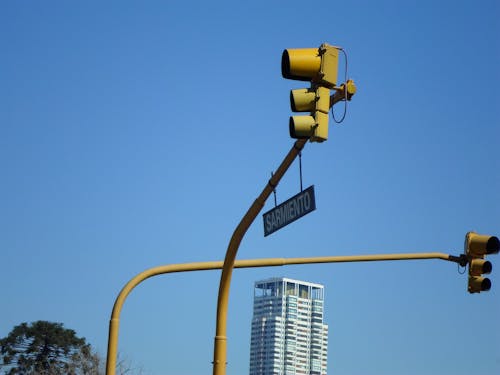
pixel 315 100
pixel 311 64
pixel 319 66
pixel 477 246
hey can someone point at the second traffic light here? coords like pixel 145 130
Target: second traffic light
pixel 477 246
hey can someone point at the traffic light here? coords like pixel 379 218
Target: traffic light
pixel 319 66
pixel 477 246
pixel 315 100
pixel 311 64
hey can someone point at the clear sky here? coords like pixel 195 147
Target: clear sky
pixel 137 134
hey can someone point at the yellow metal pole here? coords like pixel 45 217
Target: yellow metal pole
pixel 220 346
pixel 114 323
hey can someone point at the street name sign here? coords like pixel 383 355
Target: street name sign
pixel 289 211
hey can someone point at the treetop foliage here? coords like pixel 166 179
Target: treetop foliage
pixel 46 348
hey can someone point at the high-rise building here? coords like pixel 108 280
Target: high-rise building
pixel 288 333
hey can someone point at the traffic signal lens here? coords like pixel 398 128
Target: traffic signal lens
pixel 485 284
pixel 493 245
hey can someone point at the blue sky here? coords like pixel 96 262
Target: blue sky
pixel 136 134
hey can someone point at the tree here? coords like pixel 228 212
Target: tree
pixel 46 348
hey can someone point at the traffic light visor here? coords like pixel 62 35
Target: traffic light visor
pixel 301 64
pixel 480 244
pixel 302 100
pixel 493 245
pixel 479 284
pixel 480 266
pixel 301 126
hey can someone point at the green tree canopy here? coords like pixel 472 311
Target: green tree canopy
pixel 46 348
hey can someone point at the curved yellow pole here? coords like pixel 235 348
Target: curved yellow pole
pixel 220 345
pixel 114 323
pixel 117 308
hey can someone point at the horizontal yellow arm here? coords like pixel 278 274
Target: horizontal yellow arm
pixel 249 263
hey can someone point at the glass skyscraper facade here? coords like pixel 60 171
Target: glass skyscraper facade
pixel 288 333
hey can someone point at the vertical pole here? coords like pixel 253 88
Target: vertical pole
pixel 220 340
pixel 274 193
pixel 114 325
pixel 300 170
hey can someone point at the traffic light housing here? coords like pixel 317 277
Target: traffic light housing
pixel 319 66
pixel 477 246
pixel 315 100
pixel 311 64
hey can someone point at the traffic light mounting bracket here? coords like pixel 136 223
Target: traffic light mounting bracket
pixel 461 259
